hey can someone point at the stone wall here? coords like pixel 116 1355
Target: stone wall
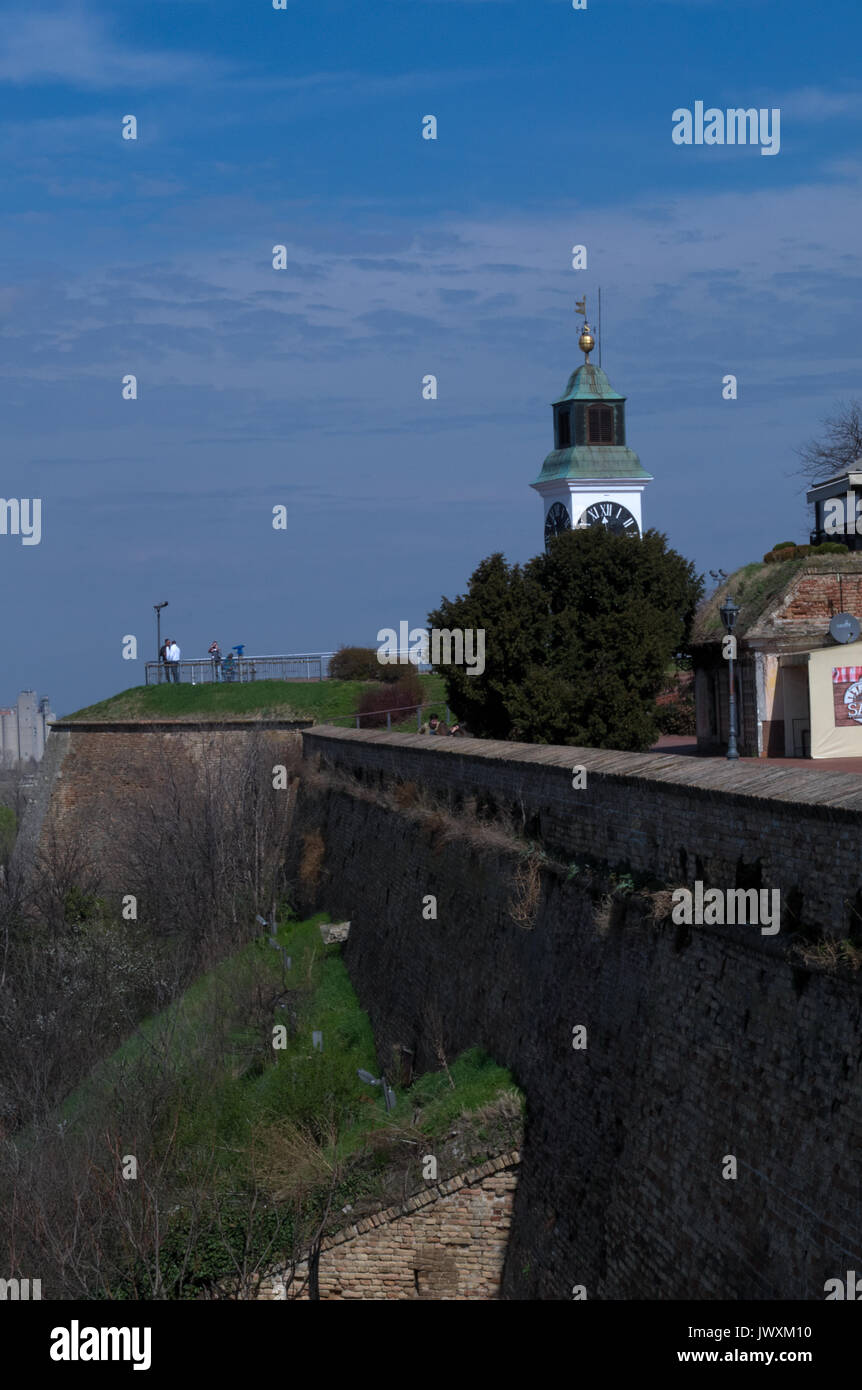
pixel 447 1242
pixel 681 819
pixel 702 1042
pixel 95 778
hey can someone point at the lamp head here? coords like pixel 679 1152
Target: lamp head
pixel 729 613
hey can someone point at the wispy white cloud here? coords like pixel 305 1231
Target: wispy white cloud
pixel 76 47
pixel 818 104
pixel 343 87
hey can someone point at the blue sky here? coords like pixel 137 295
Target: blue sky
pixel 303 387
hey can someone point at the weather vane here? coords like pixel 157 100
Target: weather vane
pixel 586 342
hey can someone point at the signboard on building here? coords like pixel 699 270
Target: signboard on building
pixel 835 701
pixel 847 695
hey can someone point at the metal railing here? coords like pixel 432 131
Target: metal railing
pixel 310 666
pixel 405 710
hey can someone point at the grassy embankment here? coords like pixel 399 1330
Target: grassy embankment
pixel 322 701
pixel 261 1140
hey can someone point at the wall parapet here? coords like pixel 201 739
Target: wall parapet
pixel 675 818
pixel 175 726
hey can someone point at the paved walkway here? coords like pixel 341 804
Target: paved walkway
pixel 684 747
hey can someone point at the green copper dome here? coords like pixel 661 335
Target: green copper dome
pixel 582 457
pixel 589 383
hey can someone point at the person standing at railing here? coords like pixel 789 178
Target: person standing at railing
pixel 172 660
pixel 163 658
pixel 215 656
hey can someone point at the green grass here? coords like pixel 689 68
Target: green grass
pixel 752 586
pixel 755 586
pixel 275 699
pixel 295 1078
pixel 260 1084
pixel 226 1103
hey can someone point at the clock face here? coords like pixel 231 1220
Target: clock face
pixel 611 514
pixel 556 521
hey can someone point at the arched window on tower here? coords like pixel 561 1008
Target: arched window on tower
pixel 564 429
pixel 600 424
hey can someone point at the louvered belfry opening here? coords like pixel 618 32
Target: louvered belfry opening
pixel 600 421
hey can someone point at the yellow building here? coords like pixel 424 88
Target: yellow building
pixel 796 672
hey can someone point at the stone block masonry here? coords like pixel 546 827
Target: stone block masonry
pixel 702 1042
pixel 95 779
pixel 680 819
pixel 446 1242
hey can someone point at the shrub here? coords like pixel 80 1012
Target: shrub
pixel 675 705
pixel 789 551
pixel 355 664
pixel 392 675
pixel 80 906
pixel 405 696
pixel 676 717
pixel 361 664
pixel 786 552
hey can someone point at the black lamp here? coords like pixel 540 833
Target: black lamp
pixel 729 613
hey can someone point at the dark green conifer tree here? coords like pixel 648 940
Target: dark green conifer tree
pixel 577 642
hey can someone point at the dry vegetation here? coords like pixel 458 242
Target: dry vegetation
pixel 524 905
pixel 834 956
pixel 204 856
pixel 311 860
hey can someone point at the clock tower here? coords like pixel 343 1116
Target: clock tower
pixel 590 477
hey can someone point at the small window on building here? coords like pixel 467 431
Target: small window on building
pixel 564 430
pixel 601 424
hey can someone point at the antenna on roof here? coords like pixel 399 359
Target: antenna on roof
pixel 600 325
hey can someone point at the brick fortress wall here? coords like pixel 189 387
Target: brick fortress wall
pixel 680 819
pixel 447 1242
pixel 95 778
pixel 702 1042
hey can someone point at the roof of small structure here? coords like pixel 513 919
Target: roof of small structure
pixel 762 592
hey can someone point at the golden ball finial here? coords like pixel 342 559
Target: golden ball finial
pixel 586 342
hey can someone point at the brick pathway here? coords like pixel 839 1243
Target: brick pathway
pixel 675 743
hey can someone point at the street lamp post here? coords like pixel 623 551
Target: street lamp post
pixel 158 609
pixel 729 613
